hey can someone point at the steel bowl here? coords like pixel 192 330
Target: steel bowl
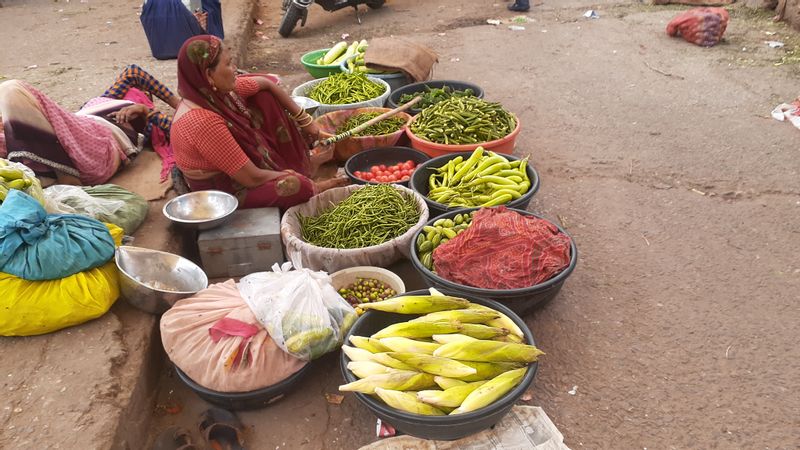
pixel 153 281
pixel 309 105
pixel 201 210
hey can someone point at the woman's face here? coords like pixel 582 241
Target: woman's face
pixel 223 75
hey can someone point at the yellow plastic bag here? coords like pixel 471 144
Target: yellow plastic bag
pixel 36 307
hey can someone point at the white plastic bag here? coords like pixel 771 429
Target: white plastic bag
pixel 300 309
pixel 68 199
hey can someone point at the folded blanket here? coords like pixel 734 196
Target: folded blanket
pixel 393 54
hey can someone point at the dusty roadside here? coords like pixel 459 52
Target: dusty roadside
pixel 678 328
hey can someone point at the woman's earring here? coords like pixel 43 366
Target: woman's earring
pixel 214 88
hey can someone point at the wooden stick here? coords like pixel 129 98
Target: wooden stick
pixel 363 126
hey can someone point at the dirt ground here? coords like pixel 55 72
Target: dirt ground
pixel 678 328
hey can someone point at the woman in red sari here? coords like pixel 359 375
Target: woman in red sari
pixel 239 134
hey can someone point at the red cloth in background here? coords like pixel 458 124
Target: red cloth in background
pixel 700 26
pixel 503 249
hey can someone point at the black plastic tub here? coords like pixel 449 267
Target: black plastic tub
pixel 362 161
pixel 419 183
pixel 238 401
pixel 437 427
pixel 394 97
pixel 522 300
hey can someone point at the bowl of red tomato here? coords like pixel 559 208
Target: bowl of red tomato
pixel 384 165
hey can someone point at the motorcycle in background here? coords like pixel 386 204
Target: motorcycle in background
pixel 297 10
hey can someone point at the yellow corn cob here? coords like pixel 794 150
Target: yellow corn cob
pixel 369 344
pixel 491 391
pixel 401 344
pixel 461 315
pixel 448 338
pixel 487 371
pixel 447 383
pixel 502 322
pixel 510 338
pixel 417 304
pixel 448 398
pixel 407 402
pixel 399 381
pixel 482 331
pixel 388 361
pixel 489 351
pixel 433 365
pixel 363 369
pixel 417 329
pixel 356 354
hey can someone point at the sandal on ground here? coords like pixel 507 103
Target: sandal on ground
pixel 221 429
pixel 174 438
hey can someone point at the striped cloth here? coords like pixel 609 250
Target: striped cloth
pixel 134 76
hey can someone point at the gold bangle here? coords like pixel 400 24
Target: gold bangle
pixel 304 118
pixel 299 114
pixel 306 122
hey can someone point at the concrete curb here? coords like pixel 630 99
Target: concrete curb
pixel 237 18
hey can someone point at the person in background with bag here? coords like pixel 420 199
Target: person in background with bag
pixel 242 134
pixel 89 146
pixel 168 24
pixel 520 6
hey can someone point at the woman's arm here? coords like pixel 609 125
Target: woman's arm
pixel 265 84
pixel 251 176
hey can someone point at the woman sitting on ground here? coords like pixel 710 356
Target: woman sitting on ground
pixel 89 146
pixel 239 134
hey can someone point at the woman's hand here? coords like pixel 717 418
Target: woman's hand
pixel 324 185
pixel 129 113
pixel 310 133
pixel 319 156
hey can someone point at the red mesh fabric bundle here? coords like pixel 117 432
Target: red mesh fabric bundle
pixel 700 26
pixel 503 249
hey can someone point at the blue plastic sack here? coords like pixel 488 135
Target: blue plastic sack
pixel 168 24
pixel 36 246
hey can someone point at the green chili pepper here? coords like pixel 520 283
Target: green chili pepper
pixel 370 216
pixel 463 120
pixel 345 88
pixel 385 126
pixel 432 96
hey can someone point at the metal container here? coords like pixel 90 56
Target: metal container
pixel 249 242
pixel 153 281
pixel 201 210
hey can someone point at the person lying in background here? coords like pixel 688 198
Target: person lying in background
pixel 242 134
pixel 89 146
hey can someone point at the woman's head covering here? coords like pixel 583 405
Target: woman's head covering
pixel 196 55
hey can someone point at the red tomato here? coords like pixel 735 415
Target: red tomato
pixel 374 169
pixel 368 176
pixel 405 178
pixel 382 166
